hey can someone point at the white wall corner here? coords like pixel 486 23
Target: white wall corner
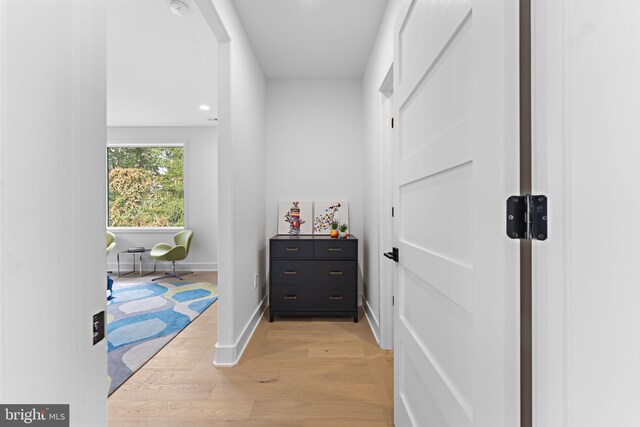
pixel 229 355
pixel 372 319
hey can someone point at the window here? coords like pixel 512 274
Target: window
pixel 145 185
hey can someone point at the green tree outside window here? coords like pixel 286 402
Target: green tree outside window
pixel 146 186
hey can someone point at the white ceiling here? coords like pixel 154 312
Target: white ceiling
pixel 160 67
pixel 296 39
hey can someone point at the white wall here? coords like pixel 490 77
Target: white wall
pixel 380 61
pixel 201 192
pixel 52 161
pixel 314 145
pixel 242 174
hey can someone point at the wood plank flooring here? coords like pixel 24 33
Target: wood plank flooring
pixel 302 372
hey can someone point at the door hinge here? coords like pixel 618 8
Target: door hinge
pixel 527 217
pixel 393 300
pixel 393 212
pixel 392 123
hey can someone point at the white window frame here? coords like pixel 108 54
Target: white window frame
pixel 123 143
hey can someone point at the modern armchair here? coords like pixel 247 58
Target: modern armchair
pixel 166 252
pixel 111 241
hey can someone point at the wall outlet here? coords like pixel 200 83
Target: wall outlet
pixel 255 281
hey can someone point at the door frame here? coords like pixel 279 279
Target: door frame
pixel 549 332
pixel 225 355
pixel 585 280
pixel 385 204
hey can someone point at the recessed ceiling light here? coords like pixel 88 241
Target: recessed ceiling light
pixel 204 107
pixel 178 7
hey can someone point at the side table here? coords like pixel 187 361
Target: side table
pixel 134 255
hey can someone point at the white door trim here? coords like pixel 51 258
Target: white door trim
pixel 585 155
pixel 226 303
pixel 385 203
pixel 548 297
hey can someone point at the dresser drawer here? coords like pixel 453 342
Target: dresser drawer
pixel 311 298
pixel 291 248
pixel 329 272
pixel 292 272
pixel 334 298
pixel 290 297
pixel 335 248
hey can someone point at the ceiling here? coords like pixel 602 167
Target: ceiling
pixel 309 39
pixel 160 67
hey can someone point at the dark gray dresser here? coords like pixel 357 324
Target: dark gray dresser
pixel 313 276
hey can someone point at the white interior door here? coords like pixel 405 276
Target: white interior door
pixel 586 329
pixel 52 181
pixel 457 298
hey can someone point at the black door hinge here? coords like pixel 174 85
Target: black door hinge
pixel 392 123
pixel 393 300
pixel 393 212
pixel 527 217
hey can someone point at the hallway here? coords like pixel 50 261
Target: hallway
pixel 295 372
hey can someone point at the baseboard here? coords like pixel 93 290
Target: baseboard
pixel 371 318
pixel 229 355
pixel 166 266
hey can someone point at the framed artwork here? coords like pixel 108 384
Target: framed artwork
pixel 295 217
pixel 328 211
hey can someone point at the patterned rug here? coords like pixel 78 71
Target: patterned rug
pixel 143 318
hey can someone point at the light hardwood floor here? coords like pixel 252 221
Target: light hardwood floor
pixel 307 372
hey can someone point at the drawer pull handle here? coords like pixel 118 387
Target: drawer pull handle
pixel 336 273
pixel 335 297
pixel 293 249
pixel 335 249
pixel 290 273
pixel 290 297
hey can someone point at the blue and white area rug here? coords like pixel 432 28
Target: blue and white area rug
pixel 143 318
